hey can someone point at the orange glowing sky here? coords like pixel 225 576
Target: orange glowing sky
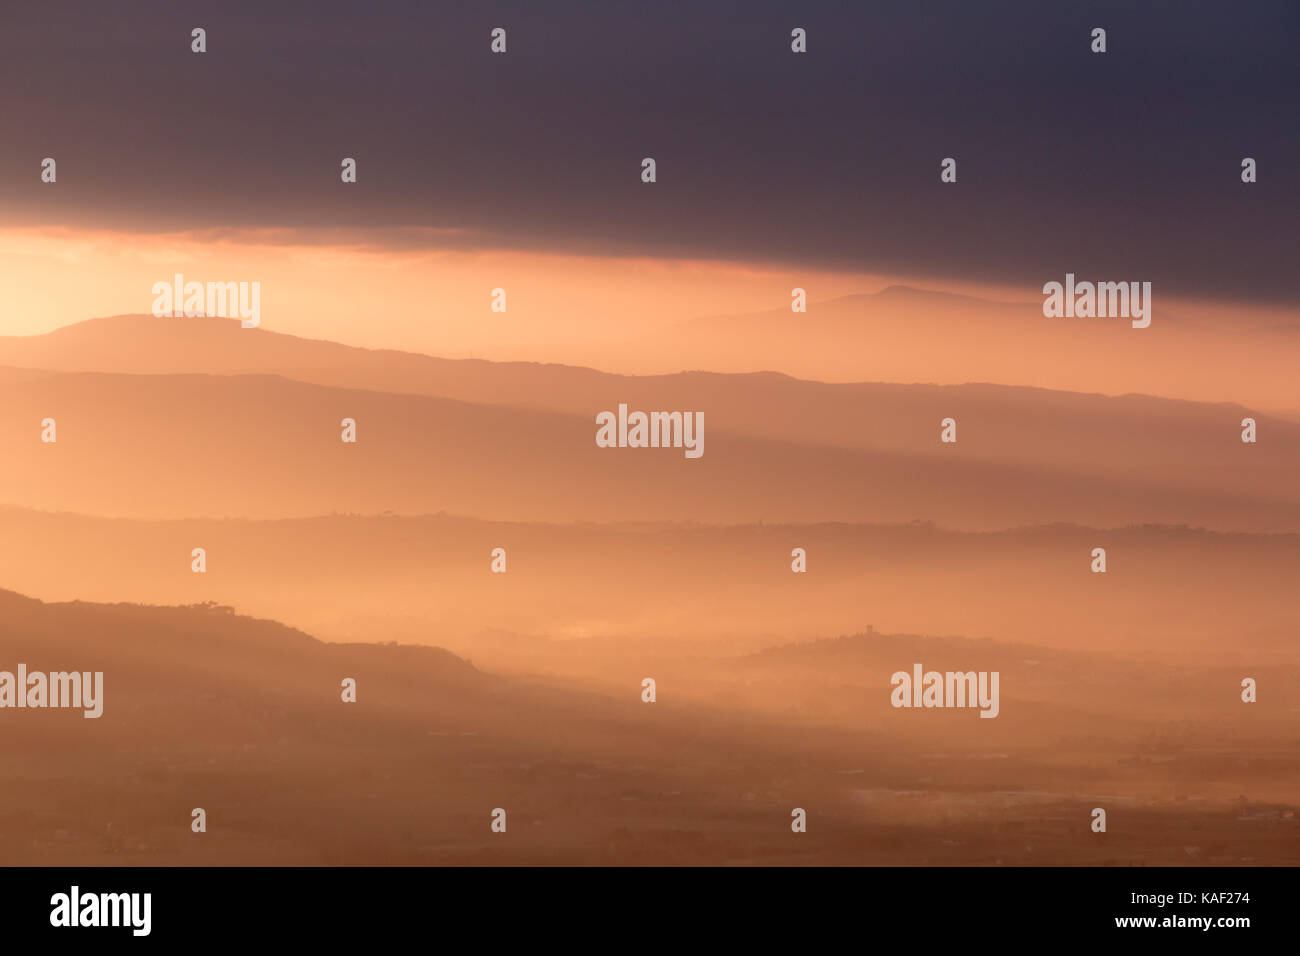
pixel 345 289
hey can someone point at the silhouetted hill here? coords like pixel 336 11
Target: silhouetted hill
pixel 204 708
pixel 264 446
pixel 1185 443
pixel 1168 593
pixel 911 335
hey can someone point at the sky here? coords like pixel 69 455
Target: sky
pixel 1124 165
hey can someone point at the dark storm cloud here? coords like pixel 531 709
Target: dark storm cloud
pixel 1122 166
